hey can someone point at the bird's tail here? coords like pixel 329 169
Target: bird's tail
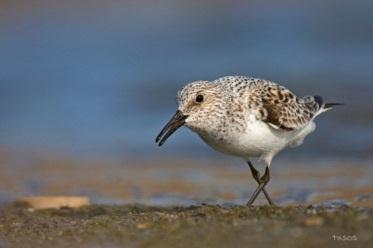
pixel 331 104
pixel 325 106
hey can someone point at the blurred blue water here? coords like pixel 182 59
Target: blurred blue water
pixel 92 78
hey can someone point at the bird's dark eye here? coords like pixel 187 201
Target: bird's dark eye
pixel 199 98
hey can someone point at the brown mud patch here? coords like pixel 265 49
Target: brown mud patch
pixel 202 226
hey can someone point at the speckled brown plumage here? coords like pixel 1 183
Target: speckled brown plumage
pixel 280 107
pixel 245 117
pixel 248 117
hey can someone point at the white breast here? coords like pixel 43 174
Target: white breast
pixel 258 140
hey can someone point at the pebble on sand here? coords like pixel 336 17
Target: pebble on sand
pixel 56 202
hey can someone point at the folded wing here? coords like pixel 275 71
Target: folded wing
pixel 280 108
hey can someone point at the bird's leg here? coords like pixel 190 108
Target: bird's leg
pixel 263 182
pixel 256 176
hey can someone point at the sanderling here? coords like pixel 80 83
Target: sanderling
pixel 246 117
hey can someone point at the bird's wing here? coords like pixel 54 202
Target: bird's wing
pixel 279 107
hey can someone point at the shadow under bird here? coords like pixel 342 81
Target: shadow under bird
pixel 246 117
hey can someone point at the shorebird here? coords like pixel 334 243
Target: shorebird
pixel 246 117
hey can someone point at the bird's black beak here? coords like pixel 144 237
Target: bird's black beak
pixel 176 121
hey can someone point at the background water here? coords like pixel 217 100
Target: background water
pixel 98 79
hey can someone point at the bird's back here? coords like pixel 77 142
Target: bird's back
pixel 272 103
pixel 275 117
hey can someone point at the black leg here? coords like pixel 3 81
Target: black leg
pixel 263 182
pixel 256 176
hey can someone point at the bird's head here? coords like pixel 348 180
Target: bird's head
pixel 199 102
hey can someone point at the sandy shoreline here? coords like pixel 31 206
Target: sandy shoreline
pixel 203 226
pixel 179 181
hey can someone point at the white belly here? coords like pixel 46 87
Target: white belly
pixel 258 140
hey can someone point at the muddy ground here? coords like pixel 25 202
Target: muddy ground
pixel 339 191
pixel 181 181
pixel 194 226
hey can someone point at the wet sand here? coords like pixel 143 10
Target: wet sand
pixel 180 181
pixel 186 203
pixel 193 226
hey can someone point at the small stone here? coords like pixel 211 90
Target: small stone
pixel 314 221
pixel 44 202
pixel 142 225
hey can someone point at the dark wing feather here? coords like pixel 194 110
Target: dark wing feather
pixel 280 108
